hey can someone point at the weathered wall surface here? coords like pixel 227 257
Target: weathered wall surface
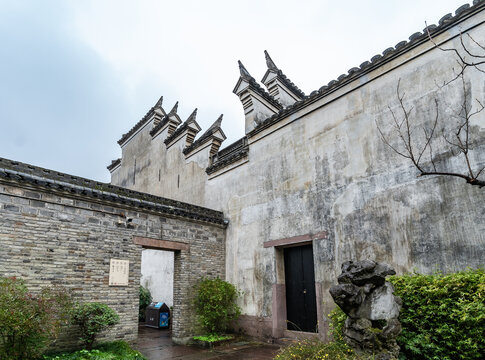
pixel 65 234
pixel 329 171
pixel 323 169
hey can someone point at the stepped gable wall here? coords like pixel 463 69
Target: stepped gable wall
pixel 317 171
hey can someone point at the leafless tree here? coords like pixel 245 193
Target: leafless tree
pixel 405 140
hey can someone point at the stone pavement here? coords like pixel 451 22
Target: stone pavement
pixel 157 345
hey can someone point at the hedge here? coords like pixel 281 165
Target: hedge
pixel 443 315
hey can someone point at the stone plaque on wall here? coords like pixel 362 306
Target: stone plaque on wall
pixel 118 272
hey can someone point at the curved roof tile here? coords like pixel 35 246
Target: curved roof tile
pixel 445 22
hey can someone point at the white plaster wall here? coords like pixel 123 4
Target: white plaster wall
pixel 157 274
pixel 325 168
pixel 330 171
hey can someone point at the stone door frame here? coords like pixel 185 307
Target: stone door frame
pixel 279 316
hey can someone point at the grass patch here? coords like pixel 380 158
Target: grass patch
pixel 213 338
pixel 117 350
pixel 316 350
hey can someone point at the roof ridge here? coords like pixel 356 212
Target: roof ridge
pixel 182 127
pixel 445 22
pixel 230 154
pixel 113 164
pixel 212 129
pixel 142 122
pixel 272 66
pixel 21 172
pixel 234 145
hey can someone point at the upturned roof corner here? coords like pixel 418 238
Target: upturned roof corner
pixel 174 109
pixel 114 165
pixel 159 102
pixel 156 113
pixel 173 116
pixel 192 116
pixel 279 86
pixel 244 73
pixel 214 134
pixel 216 125
pixel 172 120
pixel 187 130
pixel 257 103
pixel 269 62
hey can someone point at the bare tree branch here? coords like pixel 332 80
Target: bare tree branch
pixel 478 44
pixel 402 126
pixel 461 60
pixel 429 136
pixel 469 51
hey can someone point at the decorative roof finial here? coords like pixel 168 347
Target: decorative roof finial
pixel 216 124
pixel 174 109
pixel 159 102
pixel 269 62
pixel 192 116
pixel 244 73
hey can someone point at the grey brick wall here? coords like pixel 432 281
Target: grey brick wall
pixel 52 238
pixel 206 257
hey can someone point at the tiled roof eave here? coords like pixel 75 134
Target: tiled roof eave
pixel 290 85
pixel 16 172
pixel 114 164
pixel 229 159
pixel 175 134
pixel 230 154
pixel 256 88
pixel 390 55
pixel 160 125
pixel 137 126
pixel 198 143
pixel 233 147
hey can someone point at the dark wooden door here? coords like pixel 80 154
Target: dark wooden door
pixel 301 305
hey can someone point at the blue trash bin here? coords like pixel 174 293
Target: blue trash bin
pixel 157 315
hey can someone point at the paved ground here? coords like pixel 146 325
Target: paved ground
pixel 156 345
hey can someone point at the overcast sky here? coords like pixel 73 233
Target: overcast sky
pixel 76 75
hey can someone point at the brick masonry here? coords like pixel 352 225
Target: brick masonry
pixel 50 237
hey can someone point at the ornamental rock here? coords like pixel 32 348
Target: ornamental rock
pixel 372 310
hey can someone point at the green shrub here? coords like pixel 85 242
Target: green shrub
pixel 29 323
pixel 337 321
pixel 317 350
pixel 215 304
pixel 92 318
pixel 116 350
pixel 145 300
pixel 443 316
